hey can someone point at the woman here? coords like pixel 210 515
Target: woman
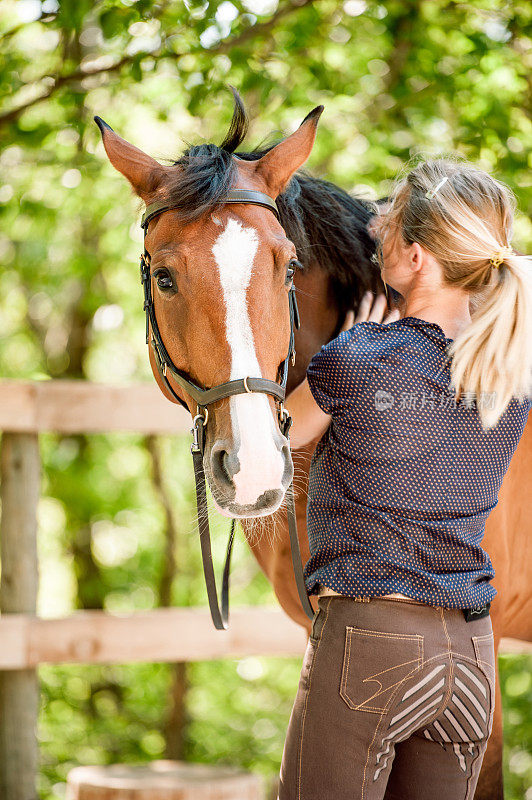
pixel 420 417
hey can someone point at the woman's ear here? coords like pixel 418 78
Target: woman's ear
pixel 142 171
pixel 417 256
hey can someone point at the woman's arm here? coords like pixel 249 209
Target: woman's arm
pixel 309 421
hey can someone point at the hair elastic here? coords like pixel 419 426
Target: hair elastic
pixel 433 192
pixel 500 256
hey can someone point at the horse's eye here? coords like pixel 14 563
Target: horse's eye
pixel 293 264
pixel 163 278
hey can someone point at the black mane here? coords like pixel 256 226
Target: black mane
pixel 327 225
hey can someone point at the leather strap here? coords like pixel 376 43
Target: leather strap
pixel 248 196
pixel 220 617
pixel 204 397
pixel 252 197
pixel 297 562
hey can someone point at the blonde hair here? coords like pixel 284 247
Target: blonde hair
pixel 463 217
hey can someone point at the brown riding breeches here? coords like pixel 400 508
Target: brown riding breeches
pixel 395 702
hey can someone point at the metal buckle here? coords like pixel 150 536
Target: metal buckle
pixel 144 269
pixel 283 412
pixel 204 418
pixel 195 446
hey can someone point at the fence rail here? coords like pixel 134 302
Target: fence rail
pixel 82 407
pixel 164 634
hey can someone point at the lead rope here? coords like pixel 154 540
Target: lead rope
pixel 219 617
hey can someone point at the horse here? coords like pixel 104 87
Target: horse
pixel 221 275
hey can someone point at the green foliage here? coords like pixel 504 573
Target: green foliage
pixel 111 714
pixel 237 709
pixel 238 712
pixel 397 79
pixel 516 685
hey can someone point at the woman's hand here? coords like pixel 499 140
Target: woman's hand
pixel 371 310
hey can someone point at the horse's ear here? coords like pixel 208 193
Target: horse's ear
pixel 280 163
pixel 142 171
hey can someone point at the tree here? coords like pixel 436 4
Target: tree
pixel 397 79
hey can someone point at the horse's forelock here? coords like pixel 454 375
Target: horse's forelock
pixel 238 127
pixel 197 182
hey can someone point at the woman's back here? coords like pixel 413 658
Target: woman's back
pixel 404 479
pixel 397 689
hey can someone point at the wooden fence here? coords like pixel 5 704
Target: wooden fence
pixel 91 637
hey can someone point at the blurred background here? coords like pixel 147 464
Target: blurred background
pixel 116 518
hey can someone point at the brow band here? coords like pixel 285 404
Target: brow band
pixel 248 196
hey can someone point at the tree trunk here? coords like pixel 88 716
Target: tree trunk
pixel 176 720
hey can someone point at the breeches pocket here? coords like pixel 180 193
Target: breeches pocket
pixel 374 664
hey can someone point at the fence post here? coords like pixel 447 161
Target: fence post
pixel 19 697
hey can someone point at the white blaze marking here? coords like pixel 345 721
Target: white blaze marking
pixel 261 463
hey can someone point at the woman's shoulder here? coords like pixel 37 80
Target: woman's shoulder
pixel 518 407
pixel 408 341
pixel 373 339
pixel 346 348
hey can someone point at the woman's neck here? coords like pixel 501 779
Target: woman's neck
pixel 449 309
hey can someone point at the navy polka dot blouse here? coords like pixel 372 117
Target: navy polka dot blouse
pixel 404 478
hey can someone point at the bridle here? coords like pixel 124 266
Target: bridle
pixel 205 397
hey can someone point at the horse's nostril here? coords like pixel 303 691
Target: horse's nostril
pixel 231 464
pixel 219 462
pixel 225 463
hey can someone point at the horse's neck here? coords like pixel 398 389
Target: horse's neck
pixel 342 268
pixel 319 319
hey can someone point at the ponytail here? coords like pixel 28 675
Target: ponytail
pixel 492 357
pixel 461 215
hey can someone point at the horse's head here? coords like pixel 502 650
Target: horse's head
pixel 219 277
